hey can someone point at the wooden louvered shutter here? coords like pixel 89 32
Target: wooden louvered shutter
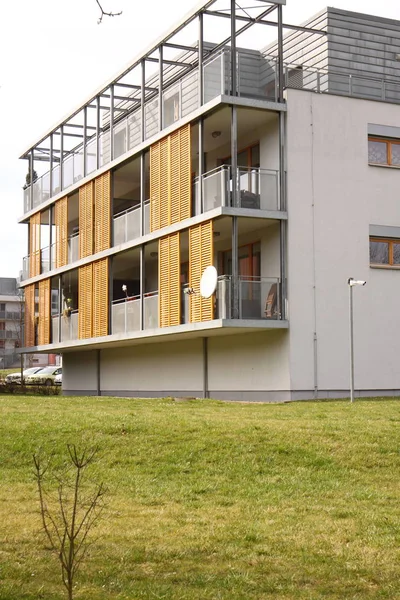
pixel 170 179
pixel 85 286
pixel 180 174
pixel 155 187
pixel 200 256
pixel 44 312
pixel 61 222
pixel 100 297
pixel 86 220
pixel 34 245
pixel 102 204
pixel 29 315
pixel 169 287
pixel 164 183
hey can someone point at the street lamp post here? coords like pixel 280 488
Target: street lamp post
pixel 351 283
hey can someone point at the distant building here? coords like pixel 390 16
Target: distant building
pixel 12 328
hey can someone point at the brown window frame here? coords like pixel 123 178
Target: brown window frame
pixel 389 143
pixel 389 241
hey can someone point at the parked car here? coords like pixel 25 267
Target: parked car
pixel 45 376
pixel 16 377
pixel 58 379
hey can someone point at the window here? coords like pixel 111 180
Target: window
pixel 171 109
pixel 384 252
pixel 383 152
pixel 2 306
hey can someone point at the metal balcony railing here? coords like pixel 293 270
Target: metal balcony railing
pixel 73 247
pixel 69 327
pixel 259 297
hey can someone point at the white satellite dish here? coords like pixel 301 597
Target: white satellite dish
pixel 208 282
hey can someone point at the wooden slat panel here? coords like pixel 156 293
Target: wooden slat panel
pixel 61 223
pixel 200 256
pixel 163 282
pixel 29 315
pixel 100 297
pixel 34 245
pixel 155 187
pixel 185 173
pixel 85 293
pixel 169 286
pixel 170 179
pixel 102 206
pixel 44 312
pixel 174 280
pixel 175 177
pixel 165 182
pixel 86 220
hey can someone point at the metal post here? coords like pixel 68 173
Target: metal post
pixel 98 129
pixel 280 54
pixel 200 67
pixel 61 157
pixel 142 100
pixel 282 206
pixel 111 122
pixel 59 308
pixel 142 190
pixel 351 343
pixel 110 292
pixel 234 168
pixel 160 88
pixel 205 367
pixel 142 282
pixel 233 49
pixel 200 200
pixel 125 316
pixel 51 165
pixel 235 268
pixel 84 141
pixel 50 237
pixel 98 361
pixel 31 169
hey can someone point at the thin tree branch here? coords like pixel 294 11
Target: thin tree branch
pixel 107 14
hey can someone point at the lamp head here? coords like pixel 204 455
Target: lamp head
pixel 353 282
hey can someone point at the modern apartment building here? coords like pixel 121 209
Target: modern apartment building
pixel 278 165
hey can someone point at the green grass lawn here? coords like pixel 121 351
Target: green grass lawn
pixel 212 500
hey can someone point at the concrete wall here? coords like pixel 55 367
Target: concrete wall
pixel 333 197
pixel 240 367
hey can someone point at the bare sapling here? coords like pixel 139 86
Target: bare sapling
pixel 70 512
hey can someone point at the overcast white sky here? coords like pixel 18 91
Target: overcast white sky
pixel 53 54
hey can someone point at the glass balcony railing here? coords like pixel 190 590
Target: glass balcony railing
pixel 125 313
pixel 69 327
pixel 259 297
pixel 127 224
pixel 258 189
pixel 73 247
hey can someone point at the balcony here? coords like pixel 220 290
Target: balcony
pixel 258 189
pixel 125 313
pixel 10 315
pixel 9 335
pixel 259 297
pixel 69 327
pixel 127 224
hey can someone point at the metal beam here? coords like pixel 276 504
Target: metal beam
pixel 160 88
pixel 261 21
pixel 200 61
pixel 123 98
pixel 175 63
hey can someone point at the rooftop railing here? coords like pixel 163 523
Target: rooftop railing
pixel 179 100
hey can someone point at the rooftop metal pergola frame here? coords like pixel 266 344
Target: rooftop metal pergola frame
pixel 111 97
